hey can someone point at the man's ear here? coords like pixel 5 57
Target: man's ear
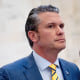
pixel 33 36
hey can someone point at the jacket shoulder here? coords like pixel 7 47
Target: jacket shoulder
pixel 16 69
pixel 67 63
pixel 18 63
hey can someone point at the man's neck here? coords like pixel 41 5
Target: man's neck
pixel 48 54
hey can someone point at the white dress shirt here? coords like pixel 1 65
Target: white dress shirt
pixel 44 69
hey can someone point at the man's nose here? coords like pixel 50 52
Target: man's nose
pixel 59 31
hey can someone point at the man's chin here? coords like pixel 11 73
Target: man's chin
pixel 61 47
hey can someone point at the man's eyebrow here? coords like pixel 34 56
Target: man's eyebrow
pixel 52 23
pixel 62 23
pixel 55 23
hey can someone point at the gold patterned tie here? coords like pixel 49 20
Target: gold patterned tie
pixel 54 74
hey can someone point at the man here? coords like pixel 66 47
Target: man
pixel 44 30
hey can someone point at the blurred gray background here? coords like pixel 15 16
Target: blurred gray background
pixel 13 15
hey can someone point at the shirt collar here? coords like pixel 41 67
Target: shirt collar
pixel 43 63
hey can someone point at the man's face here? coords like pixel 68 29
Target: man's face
pixel 50 31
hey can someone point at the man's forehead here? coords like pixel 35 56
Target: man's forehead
pixel 50 16
pixel 48 13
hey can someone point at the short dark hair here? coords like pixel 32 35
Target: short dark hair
pixel 33 19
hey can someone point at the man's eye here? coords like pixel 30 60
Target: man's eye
pixel 61 25
pixel 50 26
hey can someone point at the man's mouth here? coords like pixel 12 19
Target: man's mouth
pixel 61 40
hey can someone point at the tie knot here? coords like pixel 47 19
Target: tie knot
pixel 52 66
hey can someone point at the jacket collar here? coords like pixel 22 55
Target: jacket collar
pixel 65 70
pixel 31 71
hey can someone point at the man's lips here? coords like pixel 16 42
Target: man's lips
pixel 62 40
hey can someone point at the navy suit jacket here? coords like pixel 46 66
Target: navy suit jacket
pixel 26 69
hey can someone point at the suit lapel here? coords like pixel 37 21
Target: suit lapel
pixel 31 70
pixel 65 70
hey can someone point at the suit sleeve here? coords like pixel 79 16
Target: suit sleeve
pixel 3 74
